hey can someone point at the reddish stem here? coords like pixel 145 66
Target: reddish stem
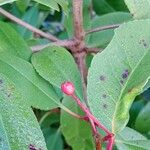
pixel 88 113
pixel 69 89
pixel 94 122
pixel 110 143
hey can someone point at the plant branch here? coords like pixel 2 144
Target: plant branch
pixel 65 43
pixel 110 143
pixel 98 29
pixel 78 20
pixel 80 60
pixel 78 51
pixel 28 26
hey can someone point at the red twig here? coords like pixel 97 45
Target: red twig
pixel 110 143
pixel 95 123
pixel 69 89
pixel 89 115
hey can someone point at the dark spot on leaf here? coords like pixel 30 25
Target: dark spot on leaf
pixel 125 74
pixel 105 106
pixel 102 78
pixel 31 147
pixel 8 94
pixel 121 81
pixel 1 82
pixel 129 90
pixel 131 36
pixel 116 89
pixel 144 43
pixel 104 96
pixel 54 51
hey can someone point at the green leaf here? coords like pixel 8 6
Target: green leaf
pixel 2 2
pixel 52 134
pixel 118 5
pixel 20 124
pixel 31 17
pixel 53 139
pixel 119 73
pixel 36 90
pixel 54 4
pixel 47 3
pixel 4 142
pixel 108 6
pixel 102 6
pixel 102 38
pixel 12 42
pixel 22 5
pixel 134 111
pixel 49 119
pixel 63 4
pixel 139 9
pixel 37 41
pixel 143 120
pixel 77 132
pixel 56 65
pixel 129 139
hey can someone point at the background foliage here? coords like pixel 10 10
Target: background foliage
pixel 32 107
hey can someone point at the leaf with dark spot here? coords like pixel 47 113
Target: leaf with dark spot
pixel 128 61
pixel 144 43
pixel 1 81
pixel 102 78
pixel 31 147
pixel 139 8
pixel 122 82
pixel 105 106
pixel 32 87
pixel 104 96
pixel 15 112
pixel 125 74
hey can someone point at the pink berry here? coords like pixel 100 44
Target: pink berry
pixel 67 88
